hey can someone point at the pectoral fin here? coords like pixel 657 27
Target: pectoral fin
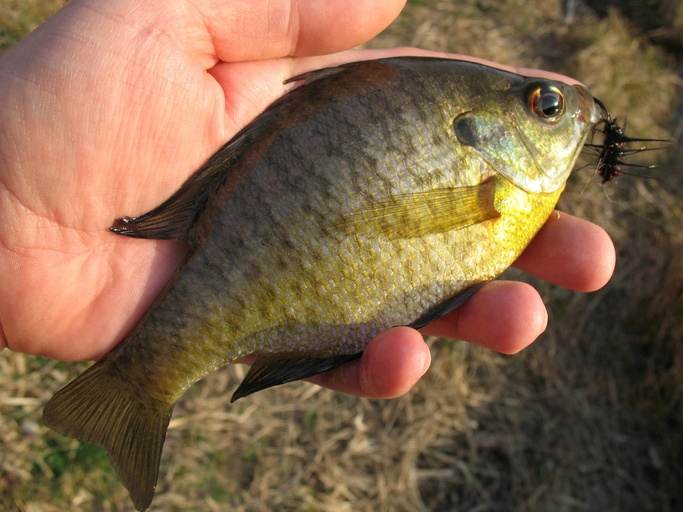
pixel 424 213
pixel 274 369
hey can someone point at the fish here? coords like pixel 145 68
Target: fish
pixel 373 194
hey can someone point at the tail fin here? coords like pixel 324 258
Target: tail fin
pixel 102 408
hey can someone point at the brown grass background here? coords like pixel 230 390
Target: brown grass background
pixel 589 418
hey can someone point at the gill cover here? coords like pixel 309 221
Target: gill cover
pixel 534 141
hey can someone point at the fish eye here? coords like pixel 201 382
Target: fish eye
pixel 547 102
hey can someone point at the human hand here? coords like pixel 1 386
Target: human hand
pixel 107 109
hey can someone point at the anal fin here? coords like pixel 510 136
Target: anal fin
pixel 274 369
pixel 447 306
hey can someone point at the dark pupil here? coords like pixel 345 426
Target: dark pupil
pixel 551 104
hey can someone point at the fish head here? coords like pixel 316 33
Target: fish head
pixel 530 131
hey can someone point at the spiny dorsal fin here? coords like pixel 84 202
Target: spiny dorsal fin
pixel 274 369
pixel 175 218
pixel 99 407
pixel 424 213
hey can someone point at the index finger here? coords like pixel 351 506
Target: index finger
pixel 570 252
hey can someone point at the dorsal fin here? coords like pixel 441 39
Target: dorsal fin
pixel 175 217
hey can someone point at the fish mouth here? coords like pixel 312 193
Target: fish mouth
pixel 604 113
pixel 590 109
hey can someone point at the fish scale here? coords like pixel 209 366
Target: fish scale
pixel 375 194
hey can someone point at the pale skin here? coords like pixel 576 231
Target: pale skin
pixel 107 109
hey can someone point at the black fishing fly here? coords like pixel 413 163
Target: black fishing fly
pixel 614 146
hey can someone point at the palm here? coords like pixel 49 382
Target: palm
pixel 106 151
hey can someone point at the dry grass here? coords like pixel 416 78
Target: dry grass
pixel 19 17
pixel 589 418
